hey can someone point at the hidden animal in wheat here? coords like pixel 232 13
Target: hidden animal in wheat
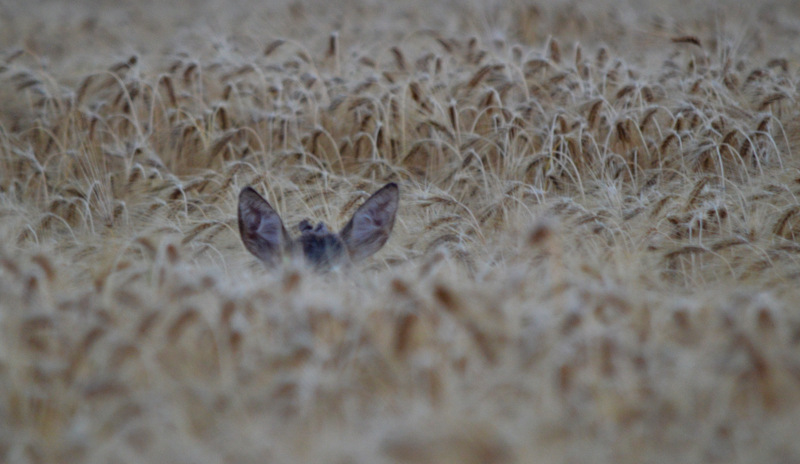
pixel 265 236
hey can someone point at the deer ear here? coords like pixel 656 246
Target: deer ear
pixel 371 224
pixel 260 227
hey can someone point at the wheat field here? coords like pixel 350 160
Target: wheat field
pixel 595 257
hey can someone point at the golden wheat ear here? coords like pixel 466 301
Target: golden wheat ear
pixel 372 223
pixel 261 228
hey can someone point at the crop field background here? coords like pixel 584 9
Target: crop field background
pixel 595 258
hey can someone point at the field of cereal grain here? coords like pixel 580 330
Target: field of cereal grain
pixel 595 258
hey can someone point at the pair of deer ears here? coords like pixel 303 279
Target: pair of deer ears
pixel 265 236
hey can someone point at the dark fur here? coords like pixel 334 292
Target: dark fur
pixel 264 235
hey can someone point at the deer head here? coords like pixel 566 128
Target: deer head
pixel 265 236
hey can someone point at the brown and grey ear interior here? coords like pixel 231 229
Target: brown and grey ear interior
pixel 372 223
pixel 260 227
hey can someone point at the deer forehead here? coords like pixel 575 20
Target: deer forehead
pixel 305 227
pixel 321 247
